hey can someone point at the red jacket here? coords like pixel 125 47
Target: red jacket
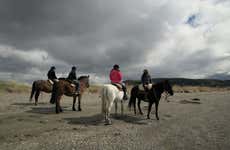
pixel 115 76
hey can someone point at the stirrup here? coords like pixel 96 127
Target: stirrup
pixel 125 97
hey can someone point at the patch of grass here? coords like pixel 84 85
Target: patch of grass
pixel 13 87
pixel 194 89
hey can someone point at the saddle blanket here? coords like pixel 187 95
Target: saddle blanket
pixel 51 82
pixel 119 86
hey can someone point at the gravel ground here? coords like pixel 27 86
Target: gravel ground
pixel 191 121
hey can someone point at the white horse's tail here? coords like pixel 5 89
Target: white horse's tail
pixel 103 98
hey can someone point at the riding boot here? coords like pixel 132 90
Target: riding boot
pixel 146 91
pixel 125 97
pixel 77 88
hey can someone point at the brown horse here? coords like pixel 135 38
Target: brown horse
pixel 64 87
pixel 39 86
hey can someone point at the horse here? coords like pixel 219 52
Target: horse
pixel 38 86
pixel 64 87
pixel 153 96
pixel 110 94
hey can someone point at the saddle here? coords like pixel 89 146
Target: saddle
pixel 119 86
pixel 141 88
pixel 50 81
pixel 73 85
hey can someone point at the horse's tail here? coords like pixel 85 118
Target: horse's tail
pixel 104 95
pixel 54 94
pixel 33 90
pixel 132 99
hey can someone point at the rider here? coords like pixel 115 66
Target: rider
pixel 146 79
pixel 51 74
pixel 73 78
pixel 116 77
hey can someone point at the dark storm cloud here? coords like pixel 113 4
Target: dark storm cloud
pixel 91 34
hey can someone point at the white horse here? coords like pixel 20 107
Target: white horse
pixel 110 94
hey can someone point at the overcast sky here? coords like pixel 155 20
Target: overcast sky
pixel 170 38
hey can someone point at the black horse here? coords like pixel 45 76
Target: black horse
pixel 152 96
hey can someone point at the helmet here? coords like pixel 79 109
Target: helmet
pixel 53 67
pixel 116 66
pixel 145 71
pixel 74 68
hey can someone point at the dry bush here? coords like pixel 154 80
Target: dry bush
pixel 194 89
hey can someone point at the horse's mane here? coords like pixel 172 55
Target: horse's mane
pixel 82 77
pixel 160 83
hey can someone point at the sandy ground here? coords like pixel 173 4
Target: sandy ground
pixel 191 121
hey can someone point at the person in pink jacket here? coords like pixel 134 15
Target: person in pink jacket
pixel 116 77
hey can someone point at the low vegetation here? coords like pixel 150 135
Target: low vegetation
pixel 194 89
pixel 179 86
pixel 13 87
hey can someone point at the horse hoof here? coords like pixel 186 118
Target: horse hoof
pixel 148 117
pixel 158 119
pixel 52 102
pixel 74 109
pixel 108 122
pixel 79 109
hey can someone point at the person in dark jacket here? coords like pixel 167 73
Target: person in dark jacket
pixel 51 74
pixel 73 78
pixel 145 79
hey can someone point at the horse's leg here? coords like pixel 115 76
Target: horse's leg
pixel 32 91
pixel 36 96
pixel 122 108
pixel 115 107
pixel 79 102
pixel 149 109
pixel 108 109
pixel 156 107
pixel 134 107
pixel 74 101
pixel 58 106
pixel 107 120
pixel 139 106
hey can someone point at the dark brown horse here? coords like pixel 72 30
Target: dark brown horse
pixel 153 96
pixel 64 87
pixel 39 86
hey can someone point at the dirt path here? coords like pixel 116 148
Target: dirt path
pixel 196 121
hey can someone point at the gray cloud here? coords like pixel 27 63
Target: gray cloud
pixel 94 35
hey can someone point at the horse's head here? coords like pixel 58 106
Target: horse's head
pixel 168 87
pixel 85 80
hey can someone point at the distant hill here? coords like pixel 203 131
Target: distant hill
pixel 189 82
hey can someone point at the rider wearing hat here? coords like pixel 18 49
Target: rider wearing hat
pixel 116 77
pixel 146 78
pixel 51 74
pixel 73 78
